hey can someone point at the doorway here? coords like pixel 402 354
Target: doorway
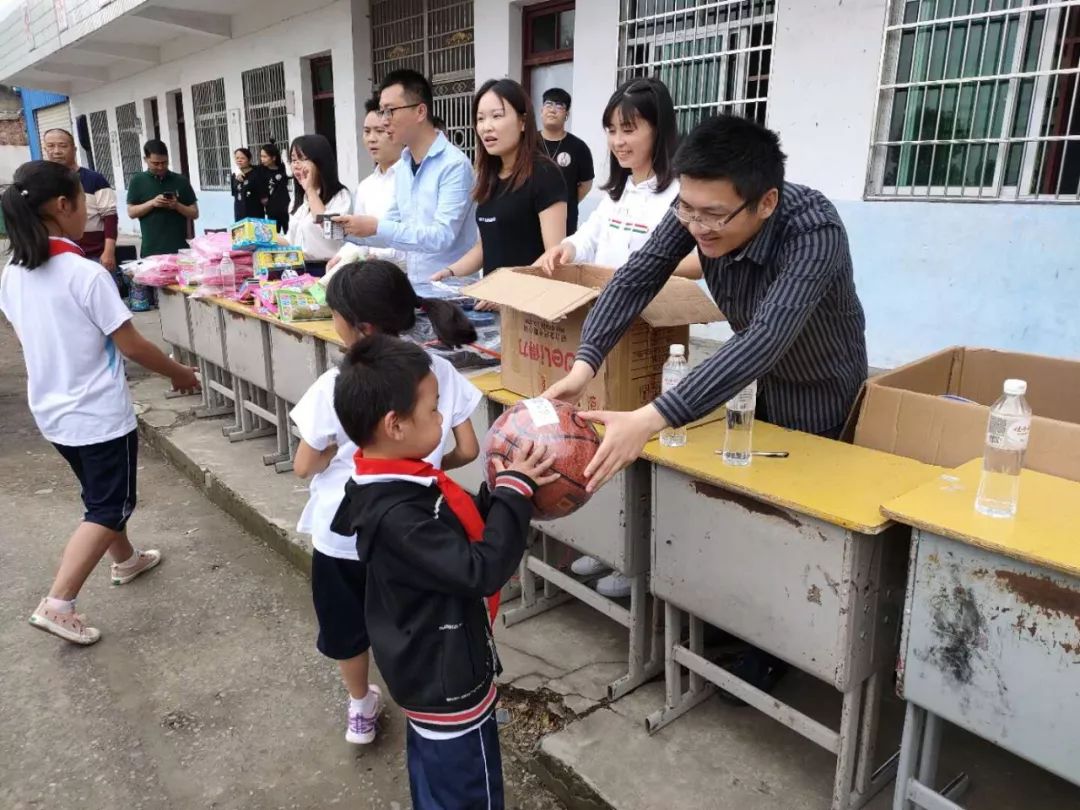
pixel 322 98
pixel 547 49
pixel 175 109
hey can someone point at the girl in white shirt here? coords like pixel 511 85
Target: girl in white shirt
pixel 318 193
pixel 372 296
pixel 73 326
pixel 640 123
pixel 641 130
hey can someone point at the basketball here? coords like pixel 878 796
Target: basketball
pixel 569 438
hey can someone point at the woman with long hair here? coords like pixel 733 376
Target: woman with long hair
pixel 274 185
pixel 246 187
pixel 639 120
pixel 520 193
pixel 318 196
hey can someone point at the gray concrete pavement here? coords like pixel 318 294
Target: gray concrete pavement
pixel 205 691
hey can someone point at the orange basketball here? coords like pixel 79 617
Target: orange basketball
pixel 569 438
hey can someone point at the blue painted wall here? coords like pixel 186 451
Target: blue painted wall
pixel 998 275
pixel 35 100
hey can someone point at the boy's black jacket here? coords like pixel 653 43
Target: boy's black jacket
pixel 426 584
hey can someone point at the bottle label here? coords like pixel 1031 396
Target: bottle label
pixel 745 400
pixel 1008 432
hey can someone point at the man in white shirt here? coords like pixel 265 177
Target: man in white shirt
pixel 375 194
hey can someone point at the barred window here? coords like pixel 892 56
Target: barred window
pixel 212 134
pixel 129 135
pixel 99 141
pixel 978 101
pixel 434 37
pixel 713 55
pixel 264 106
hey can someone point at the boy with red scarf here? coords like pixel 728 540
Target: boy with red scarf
pixel 433 556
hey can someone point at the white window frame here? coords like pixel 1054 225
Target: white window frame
pixel 674 25
pixel 211 123
pixel 1043 79
pixel 266 115
pixel 129 136
pixel 98 123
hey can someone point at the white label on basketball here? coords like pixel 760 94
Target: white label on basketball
pixel 542 412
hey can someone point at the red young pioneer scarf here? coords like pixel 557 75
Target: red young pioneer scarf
pixel 459 501
pixel 58 246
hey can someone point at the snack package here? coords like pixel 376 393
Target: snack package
pixel 251 234
pixel 271 263
pixel 302 305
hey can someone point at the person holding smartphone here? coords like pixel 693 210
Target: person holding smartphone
pixel 163 202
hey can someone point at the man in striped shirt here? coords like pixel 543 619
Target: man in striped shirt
pixel 775 257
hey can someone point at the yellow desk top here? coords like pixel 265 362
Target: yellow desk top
pixel 1045 531
pixel 488 382
pixel 839 483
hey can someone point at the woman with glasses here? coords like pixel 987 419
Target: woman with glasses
pixel 318 196
pixel 640 123
pixel 520 193
pixel 275 186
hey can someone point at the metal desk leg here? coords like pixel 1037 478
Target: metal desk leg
pixel 283 456
pixel 214 404
pixel 678 702
pixel 293 442
pixel 848 748
pixel 645 663
pixel 919 749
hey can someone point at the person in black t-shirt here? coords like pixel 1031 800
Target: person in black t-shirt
pixel 275 186
pixel 247 191
pixel 520 193
pixel 568 151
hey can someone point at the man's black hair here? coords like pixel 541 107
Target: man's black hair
pixel 740 150
pixel 155 147
pixel 379 374
pixel 417 88
pixel 371 105
pixel 558 95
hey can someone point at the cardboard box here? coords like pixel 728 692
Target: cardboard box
pixel 907 411
pixel 543 316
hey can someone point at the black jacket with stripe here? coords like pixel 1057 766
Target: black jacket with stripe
pixel 426 583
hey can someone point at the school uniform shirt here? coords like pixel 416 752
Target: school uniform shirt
pixel 616 229
pixel 163 230
pixel 374 197
pixel 101 222
pixel 247 195
pixel 307 234
pixel 64 313
pixel 573 156
pixel 509 222
pixel 315 418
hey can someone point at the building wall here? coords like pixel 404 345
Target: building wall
pixel 33 100
pixel 310 31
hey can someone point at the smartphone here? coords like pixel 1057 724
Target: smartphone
pixel 331 229
pixel 169 195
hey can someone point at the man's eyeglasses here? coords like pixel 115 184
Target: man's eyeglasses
pixel 388 112
pixel 710 222
pixel 558 106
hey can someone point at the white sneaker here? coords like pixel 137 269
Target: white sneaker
pixel 588 566
pixel 361 728
pixel 146 560
pixel 614 586
pixel 68 626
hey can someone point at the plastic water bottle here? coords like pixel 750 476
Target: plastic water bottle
pixel 228 274
pixel 675 369
pixel 1006 441
pixel 738 441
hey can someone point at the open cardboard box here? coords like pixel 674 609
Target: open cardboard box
pixel 906 411
pixel 543 316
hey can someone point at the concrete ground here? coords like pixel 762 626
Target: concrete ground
pixel 206 690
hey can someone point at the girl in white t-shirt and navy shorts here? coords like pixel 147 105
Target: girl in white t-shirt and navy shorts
pixel 75 332
pixel 365 298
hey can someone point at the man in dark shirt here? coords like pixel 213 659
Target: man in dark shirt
pixel 567 150
pixel 775 257
pixel 162 201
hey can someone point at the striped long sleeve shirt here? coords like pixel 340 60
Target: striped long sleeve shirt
pixel 790 298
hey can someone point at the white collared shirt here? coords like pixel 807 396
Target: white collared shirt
pixel 614 230
pixel 374 196
pixel 306 234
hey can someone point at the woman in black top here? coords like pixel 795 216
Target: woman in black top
pixel 520 193
pixel 275 186
pixel 247 192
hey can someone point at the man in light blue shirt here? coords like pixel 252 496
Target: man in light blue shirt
pixel 433 217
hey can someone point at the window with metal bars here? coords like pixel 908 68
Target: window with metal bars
pixel 434 37
pixel 129 135
pixel 713 55
pixel 978 101
pixel 99 140
pixel 211 134
pixel 264 106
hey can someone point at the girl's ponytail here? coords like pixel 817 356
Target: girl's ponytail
pixel 35 183
pixel 377 293
pixel 452 326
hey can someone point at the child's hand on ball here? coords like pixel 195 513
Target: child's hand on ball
pixel 533 462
